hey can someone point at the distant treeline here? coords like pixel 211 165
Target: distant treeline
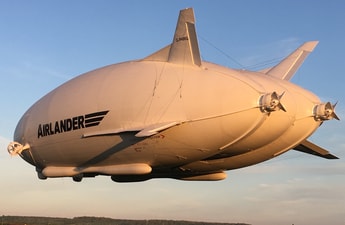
pixel 30 220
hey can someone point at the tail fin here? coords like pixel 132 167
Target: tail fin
pixel 313 149
pixel 288 67
pixel 184 48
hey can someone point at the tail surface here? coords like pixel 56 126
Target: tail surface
pixel 288 66
pixel 184 48
pixel 313 149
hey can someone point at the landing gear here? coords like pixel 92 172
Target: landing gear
pixel 78 178
pixel 40 174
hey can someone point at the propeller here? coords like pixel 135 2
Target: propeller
pixel 325 111
pixel 271 102
pixel 15 148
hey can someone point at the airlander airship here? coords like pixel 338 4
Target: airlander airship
pixel 170 115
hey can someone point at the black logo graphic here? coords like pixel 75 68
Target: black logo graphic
pixel 69 124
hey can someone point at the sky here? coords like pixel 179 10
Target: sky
pixel 45 43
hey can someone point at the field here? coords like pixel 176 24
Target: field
pixel 27 220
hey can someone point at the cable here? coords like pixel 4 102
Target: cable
pixel 221 51
pixel 257 65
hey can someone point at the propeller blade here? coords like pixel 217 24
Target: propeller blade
pixel 272 102
pixel 325 111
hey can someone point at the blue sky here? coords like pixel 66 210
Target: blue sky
pixel 45 43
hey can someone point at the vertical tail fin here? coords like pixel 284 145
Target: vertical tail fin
pixel 184 48
pixel 288 66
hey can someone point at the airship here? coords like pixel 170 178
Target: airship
pixel 171 115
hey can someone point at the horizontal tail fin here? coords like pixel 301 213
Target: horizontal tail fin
pixel 288 66
pixel 311 148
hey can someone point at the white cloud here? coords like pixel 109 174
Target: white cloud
pixel 295 198
pixel 3 147
pixel 269 54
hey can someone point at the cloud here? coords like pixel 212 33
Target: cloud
pixel 297 198
pixel 3 146
pixel 27 70
pixel 44 71
pixel 269 54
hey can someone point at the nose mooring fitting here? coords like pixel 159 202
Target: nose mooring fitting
pixel 15 148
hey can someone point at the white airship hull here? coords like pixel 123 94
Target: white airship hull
pixel 215 110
